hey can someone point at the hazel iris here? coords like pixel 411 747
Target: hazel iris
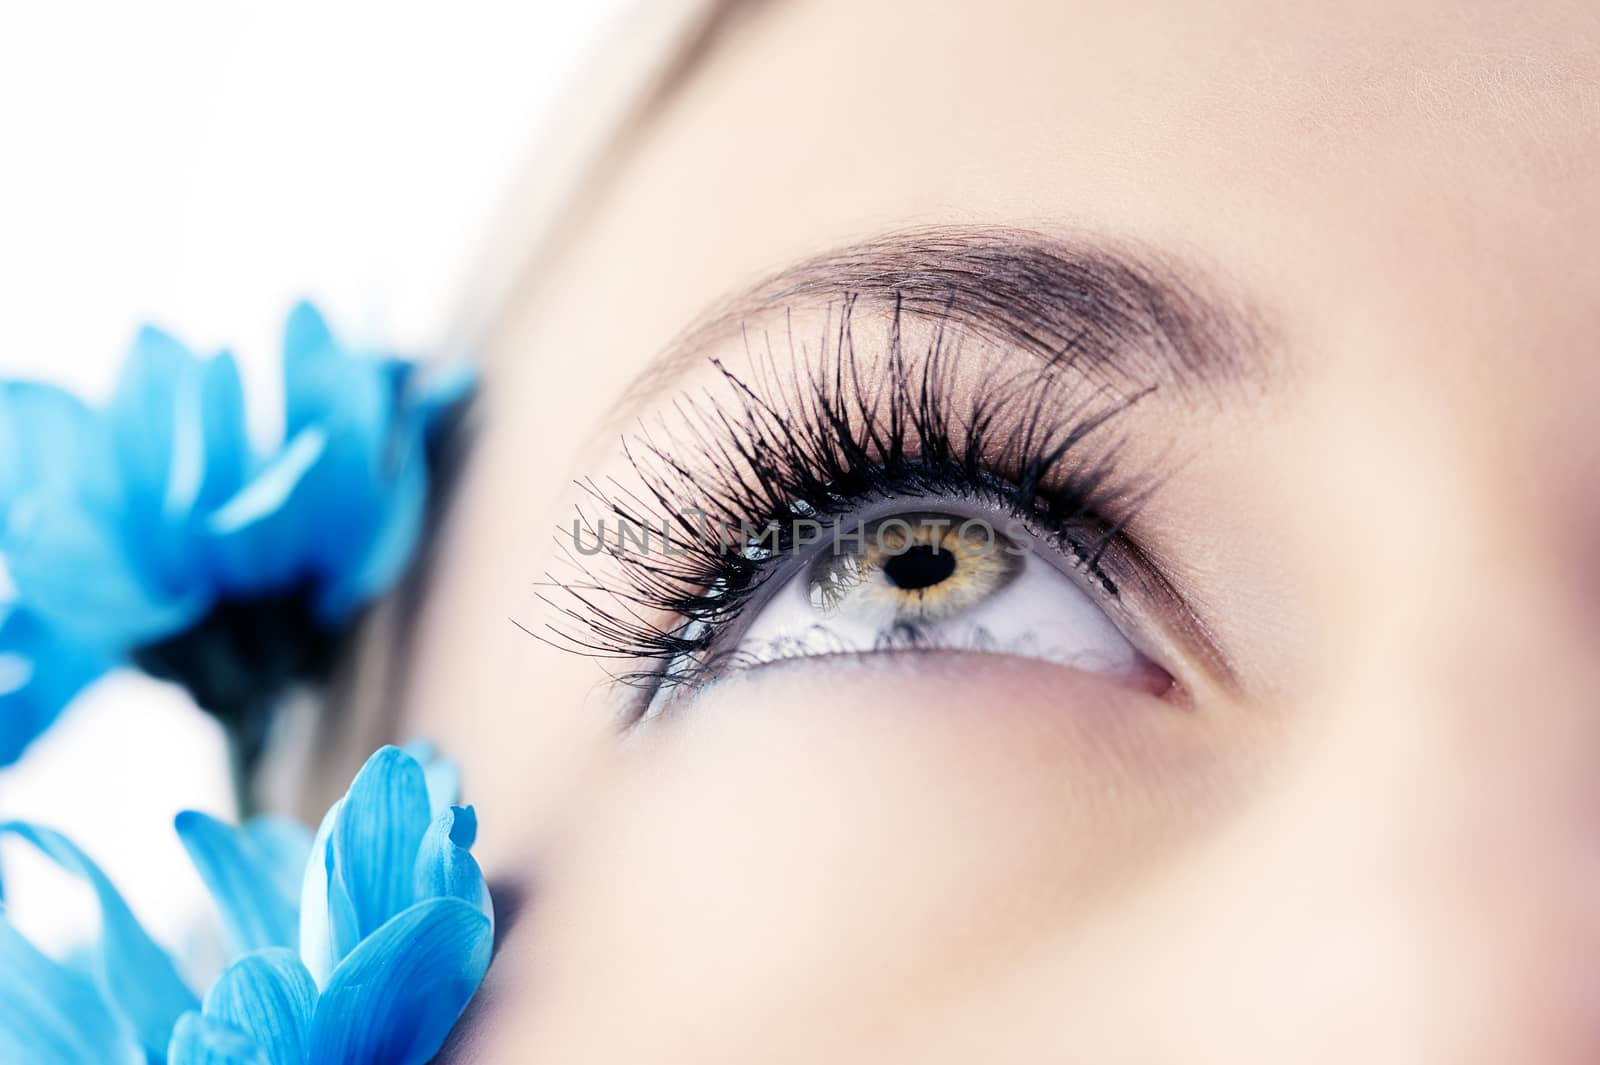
pixel 914 568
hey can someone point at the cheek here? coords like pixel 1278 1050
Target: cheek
pixel 826 840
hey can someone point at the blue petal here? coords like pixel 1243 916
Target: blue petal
pixel 144 418
pixel 52 443
pixel 349 491
pixel 137 976
pixel 227 430
pixel 385 546
pixel 444 784
pixel 327 917
pixel 40 673
pixel 208 464
pixel 310 355
pixel 50 1015
pixel 445 868
pixel 62 512
pixel 356 400
pixel 72 568
pixel 396 997
pixel 255 914
pixel 198 1040
pixel 323 384
pixel 258 540
pixel 270 997
pixel 179 428
pixel 443 775
pixel 341 504
pixel 377 835
pixel 155 424
pixel 285 845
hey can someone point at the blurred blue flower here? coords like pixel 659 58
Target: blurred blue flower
pixel 39 674
pixel 123 528
pixel 361 947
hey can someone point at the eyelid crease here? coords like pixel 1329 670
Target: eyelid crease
pixel 1118 313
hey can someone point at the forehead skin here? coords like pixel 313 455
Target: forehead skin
pixel 1366 160
pixel 1405 192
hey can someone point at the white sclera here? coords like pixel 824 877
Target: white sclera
pixel 1041 613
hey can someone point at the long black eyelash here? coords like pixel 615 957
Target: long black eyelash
pixel 810 443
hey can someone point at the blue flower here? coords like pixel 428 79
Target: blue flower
pixel 124 528
pixel 361 947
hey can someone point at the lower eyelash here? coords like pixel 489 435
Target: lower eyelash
pixel 810 439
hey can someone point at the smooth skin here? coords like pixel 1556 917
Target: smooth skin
pixel 1378 842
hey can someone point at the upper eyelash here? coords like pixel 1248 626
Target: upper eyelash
pixel 813 442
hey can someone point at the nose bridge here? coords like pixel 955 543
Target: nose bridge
pixel 1463 689
pixel 1469 619
pixel 1458 770
pixel 1479 656
pixel 1449 749
pixel 1447 572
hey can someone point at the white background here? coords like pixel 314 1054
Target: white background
pixel 201 164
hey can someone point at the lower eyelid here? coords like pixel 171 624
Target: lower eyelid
pixel 964 681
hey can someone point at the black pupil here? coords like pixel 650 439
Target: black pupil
pixel 919 566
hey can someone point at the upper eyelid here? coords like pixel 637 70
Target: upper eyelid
pixel 801 437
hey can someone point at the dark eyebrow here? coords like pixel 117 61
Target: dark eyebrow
pixel 1122 315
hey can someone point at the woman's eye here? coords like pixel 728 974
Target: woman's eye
pixel 934 581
